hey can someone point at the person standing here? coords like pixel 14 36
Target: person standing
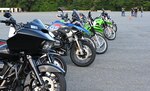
pixel 136 11
pixel 141 9
pixel 123 12
pixel 132 12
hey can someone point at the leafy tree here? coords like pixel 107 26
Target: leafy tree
pixel 147 5
pixel 46 5
pixel 26 5
pixel 50 5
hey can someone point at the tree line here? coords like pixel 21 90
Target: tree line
pixel 52 5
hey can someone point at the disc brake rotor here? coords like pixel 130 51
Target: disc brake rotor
pixel 86 53
pixel 50 83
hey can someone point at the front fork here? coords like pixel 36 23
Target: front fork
pixel 108 31
pixel 31 62
pixel 97 40
pixel 78 45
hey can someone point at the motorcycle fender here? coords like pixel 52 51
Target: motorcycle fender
pixel 50 68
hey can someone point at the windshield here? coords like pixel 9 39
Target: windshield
pixel 35 24
pixel 38 23
pixel 75 16
pixel 82 18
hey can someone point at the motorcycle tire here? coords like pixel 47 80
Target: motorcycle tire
pixel 109 33
pixel 83 60
pixel 90 41
pixel 101 43
pixel 115 27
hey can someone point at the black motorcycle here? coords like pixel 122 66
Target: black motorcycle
pixel 50 57
pixel 20 67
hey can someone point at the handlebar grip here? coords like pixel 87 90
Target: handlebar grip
pixel 7 22
pixel 2 21
pixel 58 15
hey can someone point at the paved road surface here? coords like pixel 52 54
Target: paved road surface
pixel 124 67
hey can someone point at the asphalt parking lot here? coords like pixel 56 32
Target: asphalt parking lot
pixel 124 67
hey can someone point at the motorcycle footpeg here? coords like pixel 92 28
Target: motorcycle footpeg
pixel 2 88
pixel 62 53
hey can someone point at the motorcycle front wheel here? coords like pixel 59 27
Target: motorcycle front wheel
pixel 90 41
pixel 114 26
pixel 101 43
pixel 109 33
pixel 52 82
pixel 84 59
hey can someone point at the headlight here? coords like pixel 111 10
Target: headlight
pixel 47 45
pixel 11 32
pixel 51 34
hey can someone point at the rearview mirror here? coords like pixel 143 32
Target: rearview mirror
pixel 66 15
pixel 59 9
pixel 89 14
pixel 7 15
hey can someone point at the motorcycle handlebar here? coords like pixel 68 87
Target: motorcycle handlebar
pixel 4 21
pixel 13 22
pixel 8 22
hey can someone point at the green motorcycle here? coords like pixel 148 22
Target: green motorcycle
pixel 107 18
pixel 102 26
pixel 100 42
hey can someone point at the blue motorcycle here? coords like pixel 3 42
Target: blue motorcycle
pixel 71 37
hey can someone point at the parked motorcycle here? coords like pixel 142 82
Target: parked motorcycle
pixel 102 26
pixel 20 69
pixel 71 37
pixel 99 41
pixel 52 56
pixel 107 17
